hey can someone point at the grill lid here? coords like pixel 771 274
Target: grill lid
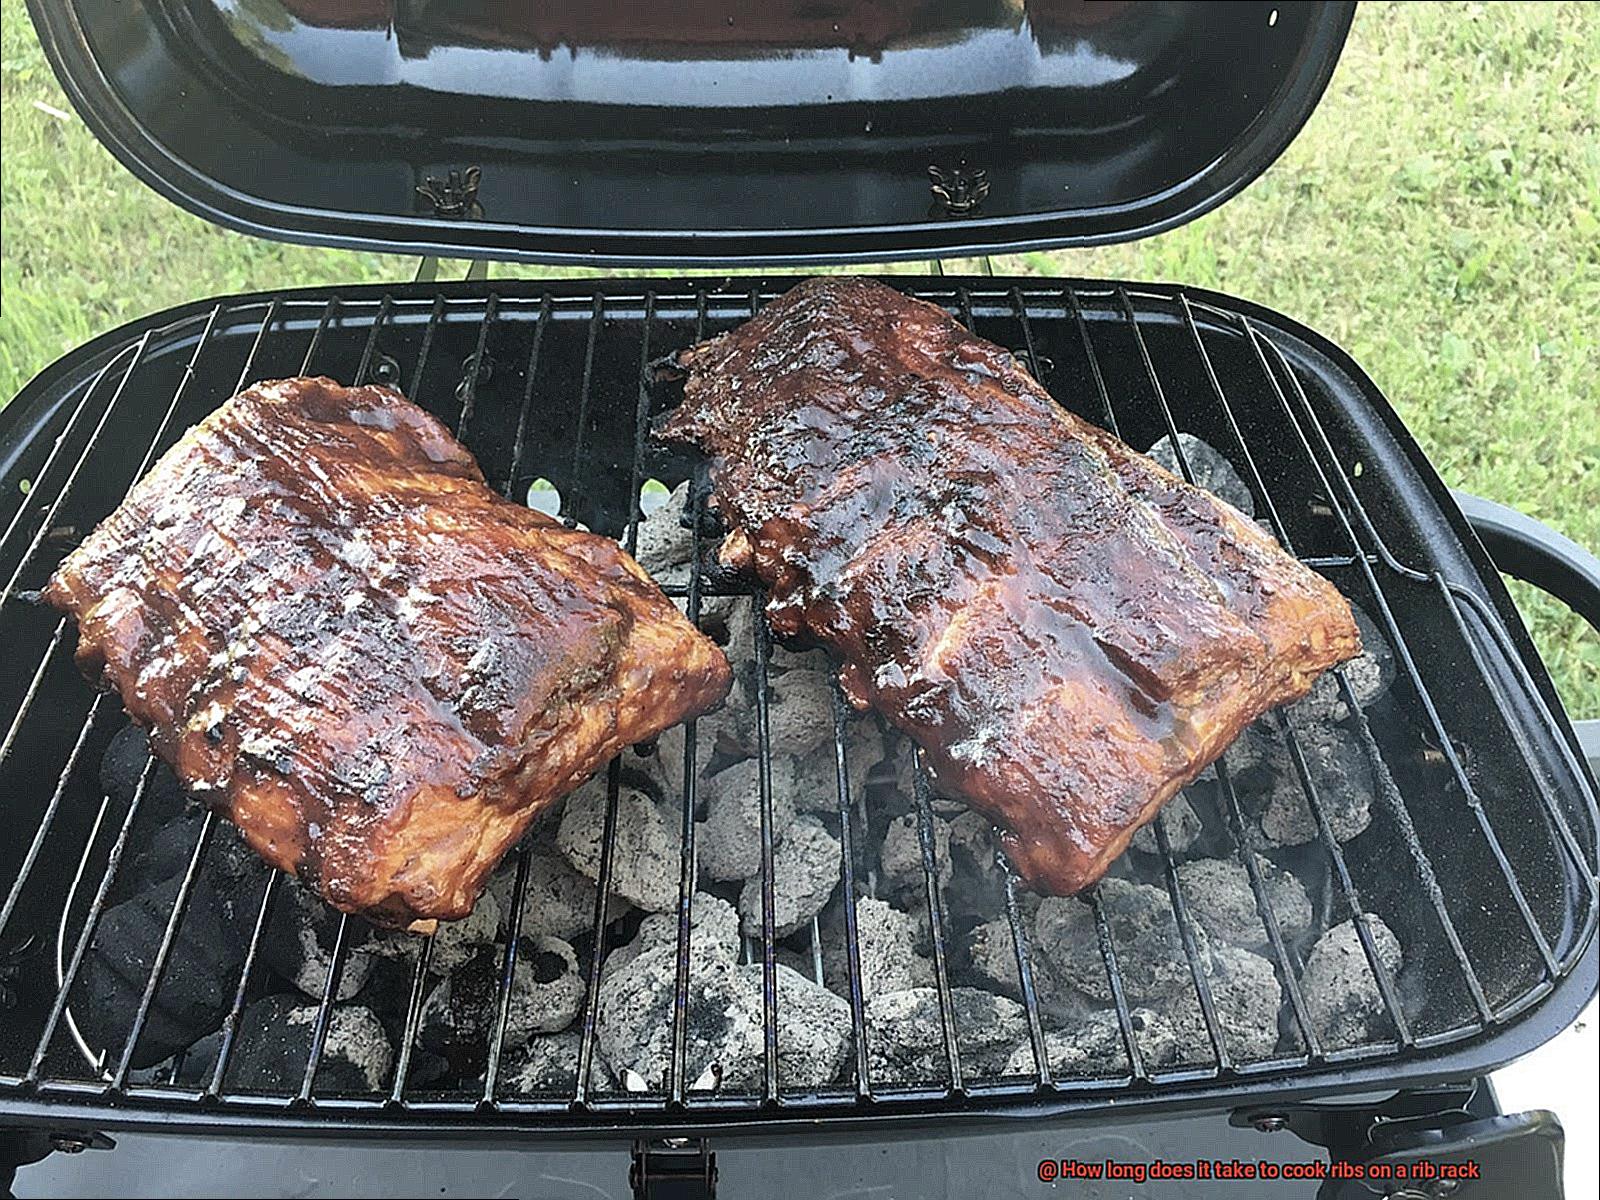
pixel 714 132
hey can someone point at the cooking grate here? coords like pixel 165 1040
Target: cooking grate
pixel 1481 857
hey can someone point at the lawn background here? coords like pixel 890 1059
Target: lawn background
pixel 1439 217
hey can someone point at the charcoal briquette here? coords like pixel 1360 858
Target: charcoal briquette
pixel 274 1042
pixel 299 939
pixel 196 989
pixel 805 870
pixel 1149 949
pixel 1210 467
pixel 1341 993
pixel 121 767
pixel 905 1033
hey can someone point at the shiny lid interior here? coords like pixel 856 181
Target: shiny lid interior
pixel 695 131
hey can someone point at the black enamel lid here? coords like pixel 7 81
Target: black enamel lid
pixel 695 132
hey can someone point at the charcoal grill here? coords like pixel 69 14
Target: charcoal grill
pixel 1482 850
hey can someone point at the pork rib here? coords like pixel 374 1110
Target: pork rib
pixel 378 668
pixel 1070 632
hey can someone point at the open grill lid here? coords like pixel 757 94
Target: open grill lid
pixel 682 132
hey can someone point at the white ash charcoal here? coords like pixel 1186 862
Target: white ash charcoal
pixel 1342 997
pixel 1342 773
pixel 1180 821
pixel 1144 935
pixel 273 1045
pixel 456 942
pixel 713 928
pixel 972 844
pixel 713 924
pixel 542 830
pixel 992 955
pixel 1160 1045
pixel 665 547
pixel 916 908
pixel 723 1023
pixel 891 782
pixel 546 994
pixel 885 940
pixel 1270 789
pixel 645 866
pixel 977 885
pixel 662 762
pixel 814 1029
pixel 900 861
pixel 1210 468
pixel 899 753
pixel 805 870
pixel 662 765
pixel 355 1037
pixel 799 712
pixel 1219 897
pixel 298 944
pixel 547 988
pixel 816 774
pixel 729 732
pixel 734 629
pixel 728 841
pixel 1372 671
pixel 1246 997
pixel 1092 1045
pixel 899 775
pixel 798 961
pixel 558 900
pixel 1259 747
pixel 905 1034
pixel 726 733
pixel 545 1063
pixel 1369 675
pixel 1325 703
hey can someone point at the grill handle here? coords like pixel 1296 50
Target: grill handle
pixel 1531 551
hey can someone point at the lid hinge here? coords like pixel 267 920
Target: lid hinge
pixel 455 197
pixel 957 190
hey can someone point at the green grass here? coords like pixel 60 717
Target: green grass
pixel 1439 217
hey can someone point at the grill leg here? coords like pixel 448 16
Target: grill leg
pixel 673 1169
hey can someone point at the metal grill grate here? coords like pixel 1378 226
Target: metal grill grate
pixel 1481 857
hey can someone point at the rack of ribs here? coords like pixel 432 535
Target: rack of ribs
pixel 1070 632
pixel 377 667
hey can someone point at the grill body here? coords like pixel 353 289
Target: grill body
pixel 1482 857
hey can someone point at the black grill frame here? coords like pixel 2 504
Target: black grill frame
pixel 1294 365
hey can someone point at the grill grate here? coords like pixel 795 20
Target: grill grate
pixel 1482 858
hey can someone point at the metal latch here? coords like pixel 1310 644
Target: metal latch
pixel 1425 1144
pixel 1347 1130
pixel 673 1169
